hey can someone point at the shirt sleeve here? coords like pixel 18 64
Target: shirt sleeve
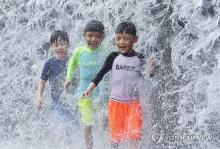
pixel 105 68
pixel 143 62
pixel 73 62
pixel 46 71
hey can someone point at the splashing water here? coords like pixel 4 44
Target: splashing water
pixel 182 100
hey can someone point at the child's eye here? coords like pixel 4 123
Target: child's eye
pixel 90 35
pixel 98 36
pixel 117 38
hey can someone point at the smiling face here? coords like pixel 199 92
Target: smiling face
pixel 125 42
pixel 93 39
pixel 60 48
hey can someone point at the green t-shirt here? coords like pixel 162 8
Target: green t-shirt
pixel 89 62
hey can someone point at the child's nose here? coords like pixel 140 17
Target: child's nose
pixel 121 41
pixel 60 46
pixel 93 38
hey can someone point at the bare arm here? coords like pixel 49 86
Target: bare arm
pixel 40 91
pixel 88 92
pixel 73 62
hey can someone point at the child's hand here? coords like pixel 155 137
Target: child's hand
pixel 153 67
pixel 86 93
pixel 39 102
pixel 66 86
pixel 152 62
pixel 89 90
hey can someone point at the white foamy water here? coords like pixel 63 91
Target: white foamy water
pixel 25 27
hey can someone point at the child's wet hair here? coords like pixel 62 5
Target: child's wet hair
pixel 94 26
pixel 126 27
pixel 59 35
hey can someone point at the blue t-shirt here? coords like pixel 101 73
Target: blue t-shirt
pixel 54 70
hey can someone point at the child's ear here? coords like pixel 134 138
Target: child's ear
pixel 135 39
pixel 103 36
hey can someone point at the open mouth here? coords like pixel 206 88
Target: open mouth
pixel 93 45
pixel 61 51
pixel 122 47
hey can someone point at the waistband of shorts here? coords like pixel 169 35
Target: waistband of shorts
pixel 130 101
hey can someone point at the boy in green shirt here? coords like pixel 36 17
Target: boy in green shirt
pixel 89 57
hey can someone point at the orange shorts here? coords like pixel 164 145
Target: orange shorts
pixel 125 120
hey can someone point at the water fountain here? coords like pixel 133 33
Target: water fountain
pixel 184 37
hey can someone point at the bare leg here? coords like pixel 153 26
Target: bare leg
pixel 134 143
pixel 114 145
pixel 88 137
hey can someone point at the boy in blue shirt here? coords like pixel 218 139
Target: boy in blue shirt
pixel 54 70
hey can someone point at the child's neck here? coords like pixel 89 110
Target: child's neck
pixel 129 51
pixel 93 49
pixel 60 57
